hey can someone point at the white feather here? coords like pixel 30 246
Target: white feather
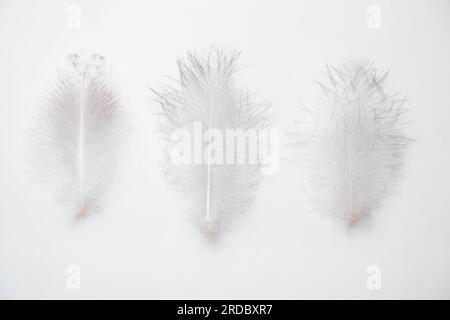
pixel 206 93
pixel 355 152
pixel 74 140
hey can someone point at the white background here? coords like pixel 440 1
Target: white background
pixel 142 245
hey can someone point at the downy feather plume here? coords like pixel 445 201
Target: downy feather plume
pixel 206 94
pixel 74 141
pixel 355 152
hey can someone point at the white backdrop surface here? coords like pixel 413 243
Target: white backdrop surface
pixel 142 245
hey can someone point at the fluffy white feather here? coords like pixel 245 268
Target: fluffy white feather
pixel 355 152
pixel 206 93
pixel 74 140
